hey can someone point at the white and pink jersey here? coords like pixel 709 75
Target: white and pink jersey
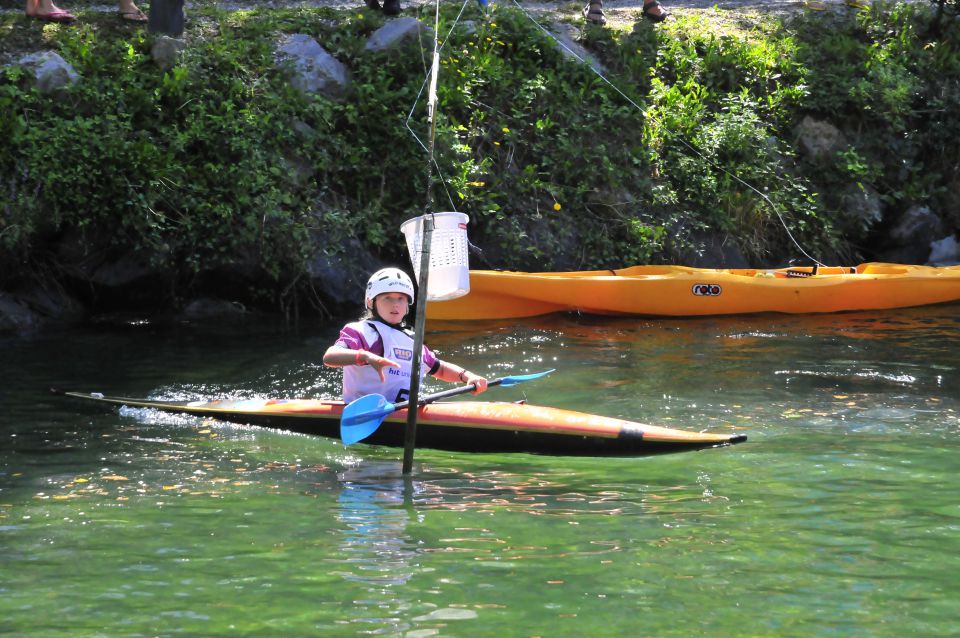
pixel 384 340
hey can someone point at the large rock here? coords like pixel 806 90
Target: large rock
pixel 565 35
pixel 909 240
pixel 16 317
pixel 944 251
pixel 50 71
pixel 819 141
pixel 166 51
pixel 312 70
pixel 51 303
pixel 399 32
pixel 342 277
pixel 917 225
pixel 213 308
pixel 126 270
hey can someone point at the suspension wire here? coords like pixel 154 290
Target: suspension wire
pixel 428 73
pixel 432 106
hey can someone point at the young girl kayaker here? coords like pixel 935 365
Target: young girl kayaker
pixel 376 352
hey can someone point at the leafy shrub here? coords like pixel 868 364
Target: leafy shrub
pixel 890 79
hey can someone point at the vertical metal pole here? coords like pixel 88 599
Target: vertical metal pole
pixel 410 435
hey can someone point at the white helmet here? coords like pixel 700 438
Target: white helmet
pixel 388 280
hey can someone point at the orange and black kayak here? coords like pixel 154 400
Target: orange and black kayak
pixel 464 426
pixel 679 291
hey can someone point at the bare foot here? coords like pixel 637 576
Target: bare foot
pixel 41 7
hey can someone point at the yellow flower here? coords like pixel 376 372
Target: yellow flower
pixel 506 130
pixel 557 206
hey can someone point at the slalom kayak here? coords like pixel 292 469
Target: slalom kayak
pixel 465 426
pixel 679 291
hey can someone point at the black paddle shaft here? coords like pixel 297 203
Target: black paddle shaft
pixel 452 392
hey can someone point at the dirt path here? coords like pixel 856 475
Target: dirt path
pixel 621 14
pixel 568 7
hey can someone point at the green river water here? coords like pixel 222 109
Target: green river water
pixel 838 517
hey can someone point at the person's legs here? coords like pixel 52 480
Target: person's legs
pixel 654 12
pixel 40 7
pixel 47 10
pixel 593 12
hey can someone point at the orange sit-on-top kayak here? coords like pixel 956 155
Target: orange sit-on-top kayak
pixel 678 291
pixel 472 426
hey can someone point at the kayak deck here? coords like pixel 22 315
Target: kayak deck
pixel 462 426
pixel 680 291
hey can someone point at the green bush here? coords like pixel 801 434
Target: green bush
pixel 891 80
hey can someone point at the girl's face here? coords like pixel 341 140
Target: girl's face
pixel 392 307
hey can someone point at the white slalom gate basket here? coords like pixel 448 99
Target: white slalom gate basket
pixel 449 266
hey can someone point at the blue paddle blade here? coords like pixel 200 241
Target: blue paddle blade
pixel 509 381
pixel 362 417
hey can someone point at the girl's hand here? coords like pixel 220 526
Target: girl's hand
pixel 469 377
pixel 378 363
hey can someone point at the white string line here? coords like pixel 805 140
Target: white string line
pixel 423 86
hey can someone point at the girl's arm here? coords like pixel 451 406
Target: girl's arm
pixel 338 357
pixel 455 374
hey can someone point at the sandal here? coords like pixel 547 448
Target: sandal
pixel 53 16
pixel 593 12
pixel 133 16
pixel 648 11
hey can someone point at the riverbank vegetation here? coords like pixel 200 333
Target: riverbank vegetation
pixel 689 135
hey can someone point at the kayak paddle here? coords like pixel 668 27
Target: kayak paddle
pixel 362 417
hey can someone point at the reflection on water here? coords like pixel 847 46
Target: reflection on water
pixel 374 548
pixel 374 505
